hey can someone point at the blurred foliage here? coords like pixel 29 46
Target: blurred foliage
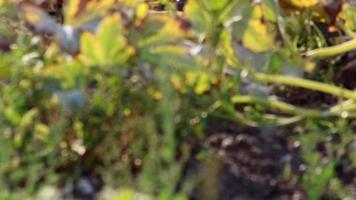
pixel 119 89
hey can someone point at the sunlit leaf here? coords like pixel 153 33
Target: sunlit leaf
pixel 41 131
pixel 218 5
pixel 71 10
pixel 91 49
pixel 203 84
pixel 164 29
pixel 301 3
pixel 269 8
pixel 198 15
pixel 125 194
pixel 256 36
pixel 130 3
pixel 12 116
pixel 142 11
pixel 200 81
pixel 109 34
pixel 108 46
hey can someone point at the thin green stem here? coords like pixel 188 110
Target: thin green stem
pixel 273 103
pixel 231 114
pixel 347 30
pixel 333 50
pixel 304 83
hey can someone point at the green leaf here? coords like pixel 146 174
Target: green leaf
pixel 349 15
pixel 198 14
pixel 270 10
pixel 28 118
pixel 109 34
pixel 91 52
pixel 12 116
pixel 125 194
pixel 108 46
pixel 5 68
pixel 218 5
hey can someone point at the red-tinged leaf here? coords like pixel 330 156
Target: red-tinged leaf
pixel 333 9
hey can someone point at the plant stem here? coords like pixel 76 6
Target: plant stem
pixel 276 104
pixel 348 105
pixel 231 114
pixel 273 103
pixel 304 83
pixel 333 50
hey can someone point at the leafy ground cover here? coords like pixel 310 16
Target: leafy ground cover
pixel 197 99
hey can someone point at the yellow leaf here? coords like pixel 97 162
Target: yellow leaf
pixel 301 3
pixel 142 11
pixel 203 84
pixel 53 70
pixel 41 131
pixel 109 30
pixel 91 50
pixel 256 37
pixel 191 77
pixel 178 83
pixel 130 3
pixel 173 27
pixel 201 81
pixel 108 46
pixel 169 29
pixel 157 95
pixel 100 5
pixel 71 9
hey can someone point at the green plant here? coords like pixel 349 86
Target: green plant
pixel 120 89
